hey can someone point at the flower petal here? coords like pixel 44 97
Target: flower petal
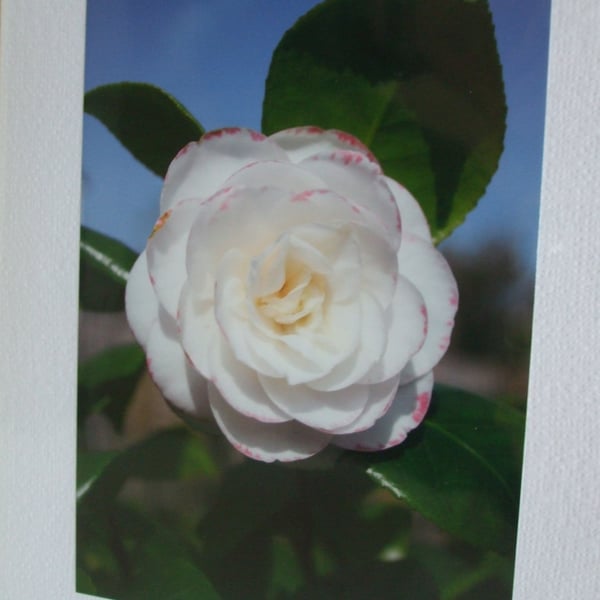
pixel 301 142
pixel 200 334
pixel 166 251
pixel 265 441
pixel 297 356
pixel 413 218
pixel 324 411
pixel 141 304
pixel 407 411
pixel 360 181
pixel 406 332
pixel 241 389
pixel 373 339
pixel 428 270
pixel 284 175
pixel 200 168
pixel 381 397
pixel 252 219
pixel 169 368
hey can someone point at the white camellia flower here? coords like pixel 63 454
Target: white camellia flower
pixel 291 291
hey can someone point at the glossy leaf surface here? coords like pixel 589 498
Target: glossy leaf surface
pixel 104 265
pixel 460 469
pixel 150 123
pixel 418 81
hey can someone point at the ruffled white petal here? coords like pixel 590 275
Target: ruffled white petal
pixel 361 182
pixel 200 334
pixel 253 218
pixel 301 142
pixel 381 397
pixel 299 356
pixel 283 175
pixel 407 411
pixel 406 332
pixel 413 218
pixel 373 340
pixel 265 441
pixel 240 387
pixel 169 368
pixel 429 272
pixel 141 304
pixel 166 252
pixel 325 411
pixel 200 168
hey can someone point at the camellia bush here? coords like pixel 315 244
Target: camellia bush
pixel 290 306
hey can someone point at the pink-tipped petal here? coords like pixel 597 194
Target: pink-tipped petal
pixel 166 251
pixel 381 397
pixel 325 411
pixel 265 441
pixel 200 168
pixel 406 332
pixel 141 304
pixel 360 181
pixel 169 368
pixel 407 411
pixel 301 142
pixel 284 175
pixel 241 389
pixel 413 218
pixel 428 270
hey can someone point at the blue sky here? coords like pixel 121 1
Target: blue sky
pixel 214 55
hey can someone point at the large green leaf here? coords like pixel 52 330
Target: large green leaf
pixel 104 265
pixel 168 454
pixel 418 81
pixel 90 467
pixel 106 382
pixel 167 572
pixel 150 123
pixel 460 469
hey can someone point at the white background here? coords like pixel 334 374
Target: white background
pixel 41 86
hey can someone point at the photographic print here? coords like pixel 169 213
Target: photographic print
pixel 306 282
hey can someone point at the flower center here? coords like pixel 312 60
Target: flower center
pixel 297 301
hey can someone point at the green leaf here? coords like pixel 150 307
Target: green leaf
pixel 457 574
pixel 169 454
pixel 418 81
pixel 104 265
pixel 460 469
pixel 90 467
pixel 404 579
pixel 150 123
pixel 167 572
pixel 106 382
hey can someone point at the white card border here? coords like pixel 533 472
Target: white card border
pixel 41 85
pixel 558 549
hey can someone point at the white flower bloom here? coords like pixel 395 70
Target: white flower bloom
pixel 291 291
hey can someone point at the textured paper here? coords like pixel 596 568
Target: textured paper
pixel 41 86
